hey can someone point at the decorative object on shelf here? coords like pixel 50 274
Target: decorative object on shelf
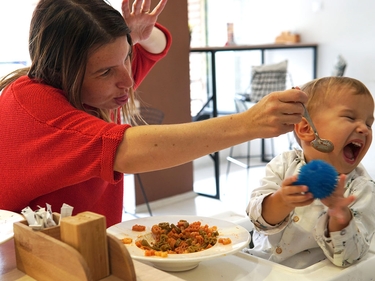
pixel 230 34
pixel 288 37
pixel 339 66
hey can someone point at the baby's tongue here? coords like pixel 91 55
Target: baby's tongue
pixel 348 152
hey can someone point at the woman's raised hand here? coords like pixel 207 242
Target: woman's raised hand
pixel 140 18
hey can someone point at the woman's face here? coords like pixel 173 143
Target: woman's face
pixel 108 76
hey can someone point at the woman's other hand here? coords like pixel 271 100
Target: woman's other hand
pixel 141 20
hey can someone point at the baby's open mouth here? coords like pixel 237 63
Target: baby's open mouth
pixel 351 150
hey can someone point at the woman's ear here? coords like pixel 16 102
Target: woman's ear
pixel 304 131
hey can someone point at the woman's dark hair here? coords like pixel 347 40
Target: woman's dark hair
pixel 62 33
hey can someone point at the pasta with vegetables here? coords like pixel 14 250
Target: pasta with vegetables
pixel 182 238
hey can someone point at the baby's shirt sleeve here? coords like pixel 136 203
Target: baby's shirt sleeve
pixel 276 171
pixel 352 243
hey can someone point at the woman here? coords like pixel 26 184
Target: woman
pixel 63 142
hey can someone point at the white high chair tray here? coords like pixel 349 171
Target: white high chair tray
pixel 241 267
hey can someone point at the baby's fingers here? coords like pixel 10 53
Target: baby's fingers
pixel 295 195
pixel 290 188
pixel 340 188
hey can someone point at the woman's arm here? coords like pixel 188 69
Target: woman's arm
pixel 155 147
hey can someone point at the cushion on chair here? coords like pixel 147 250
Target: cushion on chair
pixel 266 79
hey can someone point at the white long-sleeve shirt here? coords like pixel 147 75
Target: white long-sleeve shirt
pixel 301 239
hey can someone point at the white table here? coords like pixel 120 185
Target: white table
pixel 241 267
pixel 236 267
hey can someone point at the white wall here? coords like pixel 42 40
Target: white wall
pixel 339 27
pixel 15 16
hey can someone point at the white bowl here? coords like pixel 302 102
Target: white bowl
pixel 239 236
pixel 7 218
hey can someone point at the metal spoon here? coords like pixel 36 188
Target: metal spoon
pixel 319 144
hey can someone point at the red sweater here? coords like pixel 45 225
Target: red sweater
pixel 51 152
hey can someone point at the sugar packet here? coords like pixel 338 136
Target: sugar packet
pixel 43 218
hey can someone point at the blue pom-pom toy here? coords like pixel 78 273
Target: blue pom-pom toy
pixel 320 177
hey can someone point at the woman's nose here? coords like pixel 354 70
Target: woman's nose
pixel 125 79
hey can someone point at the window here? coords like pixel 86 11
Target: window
pixel 15 19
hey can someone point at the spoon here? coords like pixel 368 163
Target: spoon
pixel 319 144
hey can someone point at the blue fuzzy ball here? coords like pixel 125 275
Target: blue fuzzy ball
pixel 320 177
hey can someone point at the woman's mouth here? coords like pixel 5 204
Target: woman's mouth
pixel 122 100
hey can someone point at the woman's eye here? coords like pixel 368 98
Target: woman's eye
pixel 127 60
pixel 106 72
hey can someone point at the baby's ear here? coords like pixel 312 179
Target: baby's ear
pixel 304 131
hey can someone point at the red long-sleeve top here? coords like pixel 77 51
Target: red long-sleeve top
pixel 51 152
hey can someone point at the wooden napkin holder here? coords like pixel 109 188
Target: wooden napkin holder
pixel 72 250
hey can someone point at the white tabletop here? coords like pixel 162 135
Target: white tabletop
pixel 235 267
pixel 241 267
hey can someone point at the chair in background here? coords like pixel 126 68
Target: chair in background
pixel 149 116
pixel 264 80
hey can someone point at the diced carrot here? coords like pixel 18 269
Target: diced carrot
pixel 225 241
pixel 127 240
pixel 138 227
pixel 150 253
pixel 161 254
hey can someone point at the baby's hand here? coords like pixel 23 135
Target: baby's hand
pixel 295 195
pixel 338 204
